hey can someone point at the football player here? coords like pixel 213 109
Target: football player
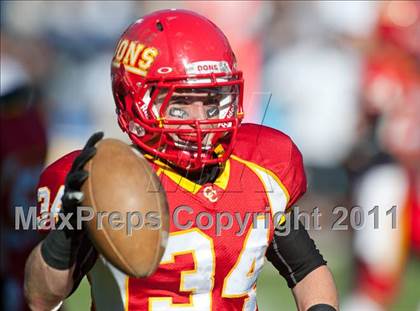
pixel 391 107
pixel 178 94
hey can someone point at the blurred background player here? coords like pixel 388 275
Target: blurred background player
pixel 389 174
pixel 23 148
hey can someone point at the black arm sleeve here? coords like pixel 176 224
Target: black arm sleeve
pixel 86 258
pixel 293 253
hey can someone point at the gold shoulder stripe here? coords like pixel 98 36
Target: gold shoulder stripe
pixel 223 179
pixel 253 166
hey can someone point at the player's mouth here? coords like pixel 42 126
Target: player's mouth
pixel 190 142
pixel 189 137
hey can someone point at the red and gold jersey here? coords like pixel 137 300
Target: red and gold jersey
pixel 219 231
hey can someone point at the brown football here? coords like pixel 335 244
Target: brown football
pixel 130 221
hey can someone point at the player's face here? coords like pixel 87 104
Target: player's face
pixel 201 104
pixel 193 106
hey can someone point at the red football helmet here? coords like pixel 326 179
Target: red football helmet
pixel 171 56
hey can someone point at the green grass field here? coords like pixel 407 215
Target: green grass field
pixel 273 292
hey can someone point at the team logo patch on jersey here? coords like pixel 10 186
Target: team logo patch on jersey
pixel 211 194
pixel 205 67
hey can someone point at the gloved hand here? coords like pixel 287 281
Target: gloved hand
pixel 73 197
pixel 59 248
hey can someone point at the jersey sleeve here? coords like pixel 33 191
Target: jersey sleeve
pixel 275 154
pixel 293 177
pixel 50 190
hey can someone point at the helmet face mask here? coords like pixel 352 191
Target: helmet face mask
pixel 194 109
pixel 186 111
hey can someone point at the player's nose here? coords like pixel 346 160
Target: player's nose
pixel 198 111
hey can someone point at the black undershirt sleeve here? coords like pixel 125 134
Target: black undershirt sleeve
pixel 293 253
pixel 85 259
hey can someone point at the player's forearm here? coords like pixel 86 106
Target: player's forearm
pixel 45 287
pixel 317 287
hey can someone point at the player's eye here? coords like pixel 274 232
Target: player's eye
pixel 180 100
pixel 212 100
pixel 177 113
pixel 212 112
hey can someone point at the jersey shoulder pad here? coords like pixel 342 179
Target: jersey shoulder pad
pixel 51 187
pixel 274 151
